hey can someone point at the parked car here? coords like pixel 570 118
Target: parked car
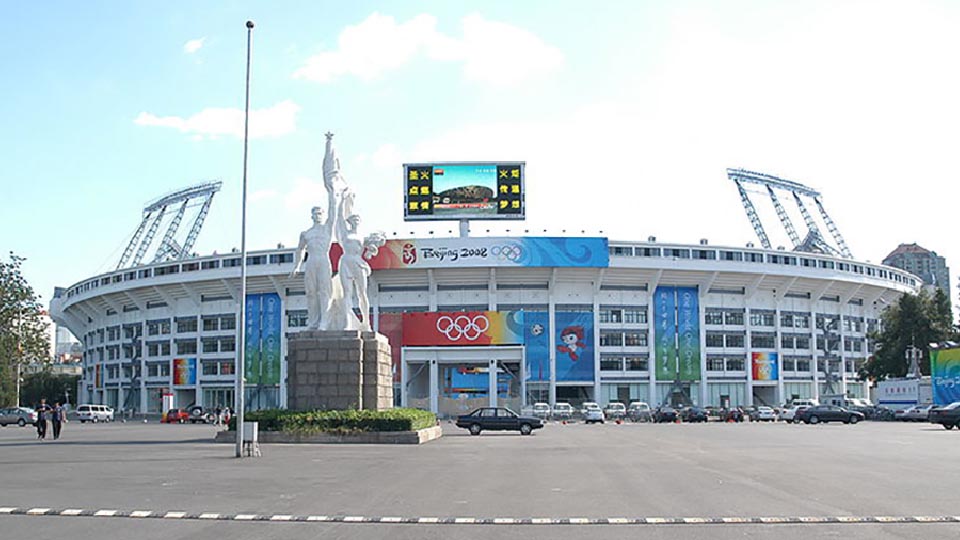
pixel 615 411
pixel 665 413
pixel 94 413
pixel 498 419
pixel 948 416
pixel 765 414
pixel 20 416
pixel 828 413
pixel 789 414
pixel 562 411
pixel 541 410
pixel 639 411
pixel 176 416
pixel 592 413
pixel 587 405
pixel 916 414
pixel 201 415
pixel 733 414
pixel 694 414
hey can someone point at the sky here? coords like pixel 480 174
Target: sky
pixel 627 114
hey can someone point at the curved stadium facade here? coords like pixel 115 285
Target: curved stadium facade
pixel 506 320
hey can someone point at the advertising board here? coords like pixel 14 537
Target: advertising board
pixel 454 191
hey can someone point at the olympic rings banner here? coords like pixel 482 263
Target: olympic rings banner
pixel 462 328
pixel 485 252
pixel 945 375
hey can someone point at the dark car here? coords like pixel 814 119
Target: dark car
pixel 176 416
pixel 734 414
pixel 665 414
pixel 828 413
pixel 947 416
pixel 498 419
pixel 694 414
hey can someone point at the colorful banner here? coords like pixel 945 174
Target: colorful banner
pixel 665 319
pixel 536 338
pixel 184 371
pixel 765 366
pixel 575 352
pixel 688 332
pixel 391 325
pixel 485 252
pixel 945 375
pixel 251 357
pixel 262 358
pixel 462 328
pixel 270 324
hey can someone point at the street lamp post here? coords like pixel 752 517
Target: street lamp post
pixel 242 327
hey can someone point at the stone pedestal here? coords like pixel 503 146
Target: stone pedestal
pixel 339 370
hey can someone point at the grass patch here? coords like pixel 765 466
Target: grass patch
pixel 339 422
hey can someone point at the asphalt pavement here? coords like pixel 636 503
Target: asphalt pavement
pixel 649 476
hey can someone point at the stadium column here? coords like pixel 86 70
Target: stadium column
pixel 842 349
pixel 404 371
pixel 432 291
pixel 552 341
pixel 492 290
pixel 748 346
pixel 702 292
pixel 815 355
pixel 492 381
pixel 652 341
pixel 778 335
pixel 596 339
pixel 434 384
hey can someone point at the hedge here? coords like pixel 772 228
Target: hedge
pixel 339 421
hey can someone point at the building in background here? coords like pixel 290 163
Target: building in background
pixel 923 263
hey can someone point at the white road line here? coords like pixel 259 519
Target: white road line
pixel 37 511
pixel 281 517
pixel 504 521
pixel 579 521
pixel 209 516
pixel 105 513
pixel 174 515
pixel 7 509
pixel 71 512
pixel 244 517
pixel 353 519
pixel 141 513
pixel 318 518
pixel 541 521
pixel 618 521
pixel 391 519
pixel 463 521
pixel 428 520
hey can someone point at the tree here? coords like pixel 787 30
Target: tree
pixel 23 337
pixel 45 384
pixel 915 320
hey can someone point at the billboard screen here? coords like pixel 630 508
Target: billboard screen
pixel 454 191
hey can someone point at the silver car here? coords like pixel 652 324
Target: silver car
pixel 20 416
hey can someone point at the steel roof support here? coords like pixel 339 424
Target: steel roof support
pixel 784 218
pixel 752 216
pixel 832 227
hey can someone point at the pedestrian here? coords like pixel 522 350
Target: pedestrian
pixel 57 417
pixel 42 410
pixel 219 419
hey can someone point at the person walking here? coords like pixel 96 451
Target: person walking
pixel 42 410
pixel 57 417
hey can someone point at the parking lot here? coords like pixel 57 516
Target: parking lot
pixel 562 471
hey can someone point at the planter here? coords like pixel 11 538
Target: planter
pixel 367 437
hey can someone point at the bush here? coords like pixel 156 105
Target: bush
pixel 339 421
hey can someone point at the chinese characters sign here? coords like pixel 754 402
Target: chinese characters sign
pixel 677 319
pixel 453 191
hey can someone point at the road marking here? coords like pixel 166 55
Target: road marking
pixel 515 521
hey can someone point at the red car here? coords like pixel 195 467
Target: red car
pixel 176 416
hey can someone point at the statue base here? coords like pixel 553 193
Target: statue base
pixel 339 370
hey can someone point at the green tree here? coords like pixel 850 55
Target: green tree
pixel 915 320
pixel 23 336
pixel 46 384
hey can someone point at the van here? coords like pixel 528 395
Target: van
pixel 805 402
pixel 94 413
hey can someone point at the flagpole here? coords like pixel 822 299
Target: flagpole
pixel 242 327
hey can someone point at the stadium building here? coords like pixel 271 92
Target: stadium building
pixel 499 320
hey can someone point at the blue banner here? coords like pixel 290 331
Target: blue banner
pixel 575 346
pixel 688 332
pixel 252 356
pixel 945 375
pixel 536 337
pixel 665 319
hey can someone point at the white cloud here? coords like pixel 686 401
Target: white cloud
pixel 305 194
pixel 193 45
pixel 262 195
pixel 486 49
pixel 212 122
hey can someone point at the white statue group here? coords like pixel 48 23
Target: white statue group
pixel 330 299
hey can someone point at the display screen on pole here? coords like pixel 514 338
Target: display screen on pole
pixel 454 191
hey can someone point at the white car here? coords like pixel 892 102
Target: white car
pixel 766 414
pixel 94 413
pixel 788 414
pixel 541 410
pixel 615 410
pixel 593 414
pixel 587 405
pixel 562 411
pixel 916 414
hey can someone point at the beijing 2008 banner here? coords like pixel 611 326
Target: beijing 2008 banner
pixel 184 371
pixel 588 252
pixel 764 365
pixel 676 313
pixel 688 332
pixel 575 345
pixel 464 328
pixel 945 375
pixel 665 319
pixel 262 358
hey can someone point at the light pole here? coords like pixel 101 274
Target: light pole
pixel 19 349
pixel 242 327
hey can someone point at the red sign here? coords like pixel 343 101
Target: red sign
pixel 460 328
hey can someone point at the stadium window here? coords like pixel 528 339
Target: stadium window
pixel 646 252
pixel 636 363
pixel 209 265
pixel 731 255
pixel 635 339
pixel 714 339
pixel 635 315
pixel 733 318
pixel 611 339
pixel 713 317
pixel 611 363
pixel 715 363
pixel 735 364
pixel 734 340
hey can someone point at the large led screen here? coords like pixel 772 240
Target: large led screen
pixel 454 191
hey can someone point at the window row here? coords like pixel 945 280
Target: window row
pixel 222 367
pixel 623 363
pixel 609 338
pixel 631 315
pixel 725 363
